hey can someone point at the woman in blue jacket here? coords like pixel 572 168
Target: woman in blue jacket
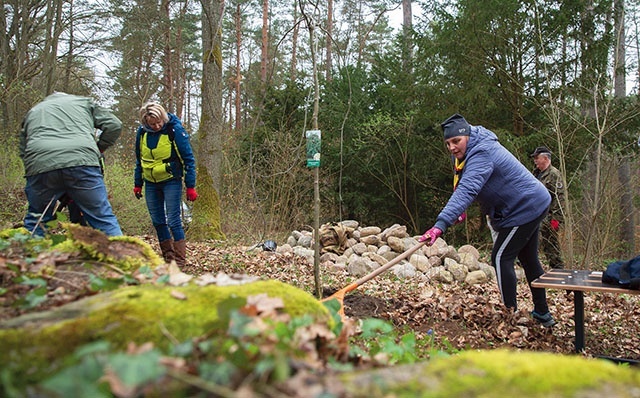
pixel 163 159
pixel 514 200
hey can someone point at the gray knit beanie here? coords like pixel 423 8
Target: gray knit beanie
pixel 455 126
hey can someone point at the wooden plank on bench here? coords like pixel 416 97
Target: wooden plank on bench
pixel 580 280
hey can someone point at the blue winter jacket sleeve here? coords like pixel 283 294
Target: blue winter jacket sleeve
pixel 505 189
pixel 137 172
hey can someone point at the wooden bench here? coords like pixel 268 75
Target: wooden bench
pixel 578 282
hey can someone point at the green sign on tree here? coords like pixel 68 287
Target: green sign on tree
pixel 313 148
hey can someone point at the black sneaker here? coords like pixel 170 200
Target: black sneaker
pixel 545 320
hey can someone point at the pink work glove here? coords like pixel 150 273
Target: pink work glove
pixel 461 218
pixel 431 236
pixel 555 225
pixel 138 192
pixel 192 195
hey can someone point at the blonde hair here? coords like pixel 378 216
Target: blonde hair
pixel 153 109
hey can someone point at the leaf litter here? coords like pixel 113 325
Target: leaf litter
pixel 454 316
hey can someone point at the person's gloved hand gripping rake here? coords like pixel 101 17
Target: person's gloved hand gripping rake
pixel 431 236
pixel 434 233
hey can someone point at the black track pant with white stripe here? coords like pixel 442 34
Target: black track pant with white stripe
pixel 521 242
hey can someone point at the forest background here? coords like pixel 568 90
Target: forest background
pixel 249 78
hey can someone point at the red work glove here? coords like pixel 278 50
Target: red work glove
pixel 138 192
pixel 461 218
pixel 431 236
pixel 192 195
pixel 555 225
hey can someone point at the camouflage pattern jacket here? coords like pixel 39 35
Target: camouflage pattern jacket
pixel 552 180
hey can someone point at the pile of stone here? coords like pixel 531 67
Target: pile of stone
pixel 348 247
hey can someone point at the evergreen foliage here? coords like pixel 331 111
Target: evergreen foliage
pixel 536 73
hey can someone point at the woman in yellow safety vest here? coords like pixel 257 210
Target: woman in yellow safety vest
pixel 163 159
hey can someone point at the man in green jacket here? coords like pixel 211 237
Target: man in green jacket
pixel 551 178
pixel 61 154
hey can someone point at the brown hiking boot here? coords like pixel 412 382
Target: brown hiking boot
pixel 180 252
pixel 168 252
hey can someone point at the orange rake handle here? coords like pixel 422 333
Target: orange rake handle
pixel 339 295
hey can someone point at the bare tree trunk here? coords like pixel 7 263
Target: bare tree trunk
pixel 187 87
pixel 329 33
pixel 294 44
pixel 587 107
pixel 620 86
pixel 407 26
pixel 206 222
pixel 71 52
pixel 167 63
pixel 264 56
pixel 17 63
pixel 6 112
pixel 48 65
pixel 627 230
pixel 316 170
pixel 238 77
pixel 180 70
pixel 54 24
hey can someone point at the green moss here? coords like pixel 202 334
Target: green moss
pixel 30 246
pixel 207 222
pixel 500 373
pixel 149 256
pixel 36 345
pixel 127 253
pixel 11 232
pixel 537 374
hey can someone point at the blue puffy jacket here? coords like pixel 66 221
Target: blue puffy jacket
pixel 506 190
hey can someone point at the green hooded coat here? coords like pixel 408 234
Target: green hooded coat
pixel 60 132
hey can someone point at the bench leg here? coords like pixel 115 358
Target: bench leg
pixel 578 315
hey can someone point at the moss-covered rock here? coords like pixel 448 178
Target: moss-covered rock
pixel 498 373
pixel 35 345
pixel 128 253
pixel 21 238
pixel 12 232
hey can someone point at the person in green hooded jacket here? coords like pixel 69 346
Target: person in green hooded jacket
pixel 61 152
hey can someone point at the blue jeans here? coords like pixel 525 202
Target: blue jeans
pixel 85 186
pixel 164 201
